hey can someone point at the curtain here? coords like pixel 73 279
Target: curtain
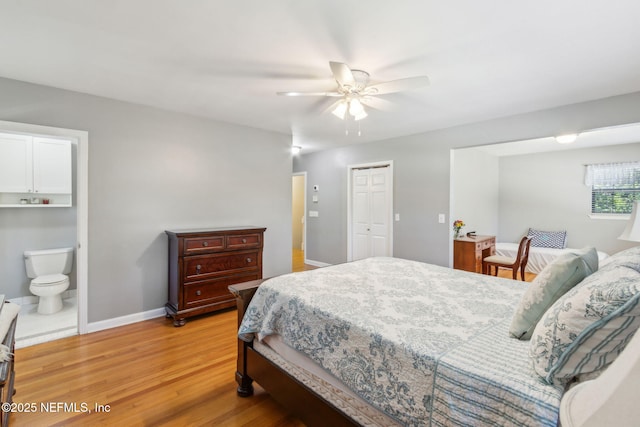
pixel 612 175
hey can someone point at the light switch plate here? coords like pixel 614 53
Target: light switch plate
pixel 441 218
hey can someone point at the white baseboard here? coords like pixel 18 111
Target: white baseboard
pixel 32 299
pixel 316 263
pixel 125 320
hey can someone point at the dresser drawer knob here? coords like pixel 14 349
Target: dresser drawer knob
pixel 248 259
pixel 198 267
pixel 198 293
pixel 205 243
pixel 244 240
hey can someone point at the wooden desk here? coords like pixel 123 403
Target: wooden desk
pixel 468 252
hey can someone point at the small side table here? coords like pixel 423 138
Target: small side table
pixel 468 252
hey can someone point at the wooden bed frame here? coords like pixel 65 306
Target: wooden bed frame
pixel 304 404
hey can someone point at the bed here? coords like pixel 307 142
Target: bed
pixel 539 257
pixel 386 341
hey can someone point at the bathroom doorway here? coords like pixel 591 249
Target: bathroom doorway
pixel 298 223
pixel 44 227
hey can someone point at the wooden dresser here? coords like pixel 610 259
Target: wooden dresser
pixel 203 262
pixel 468 252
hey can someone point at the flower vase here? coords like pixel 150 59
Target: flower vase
pixel 456 233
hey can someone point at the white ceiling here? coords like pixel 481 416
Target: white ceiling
pixel 227 59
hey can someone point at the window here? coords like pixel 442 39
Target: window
pixel 614 187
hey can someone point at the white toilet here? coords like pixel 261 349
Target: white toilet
pixel 49 269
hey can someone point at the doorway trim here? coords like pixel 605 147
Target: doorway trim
pixel 304 199
pixel 350 169
pixel 82 179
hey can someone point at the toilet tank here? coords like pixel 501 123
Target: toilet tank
pixel 49 261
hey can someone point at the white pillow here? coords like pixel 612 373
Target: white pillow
pixel 589 326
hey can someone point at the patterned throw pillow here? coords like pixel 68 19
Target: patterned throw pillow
pixel 589 326
pixel 562 274
pixel 548 239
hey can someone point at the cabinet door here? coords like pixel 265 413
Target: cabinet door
pixel 51 166
pixel 15 164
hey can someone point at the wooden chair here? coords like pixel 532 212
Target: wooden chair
pixel 519 262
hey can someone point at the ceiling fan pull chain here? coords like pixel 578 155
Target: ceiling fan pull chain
pixel 359 132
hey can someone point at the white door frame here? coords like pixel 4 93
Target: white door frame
pixel 82 183
pixel 304 224
pixel 350 169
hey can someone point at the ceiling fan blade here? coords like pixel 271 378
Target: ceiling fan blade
pixel 377 103
pixel 397 85
pixel 309 94
pixel 342 73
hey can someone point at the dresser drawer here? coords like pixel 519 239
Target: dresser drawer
pixel 213 291
pixel 488 243
pixel 242 241
pixel 201 267
pixel 195 245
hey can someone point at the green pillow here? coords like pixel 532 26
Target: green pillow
pixel 590 256
pixel 562 274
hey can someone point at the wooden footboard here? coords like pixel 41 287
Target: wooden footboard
pixel 303 403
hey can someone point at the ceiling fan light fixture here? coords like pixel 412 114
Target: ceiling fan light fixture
pixel 355 107
pixel 361 115
pixel 340 110
pixel 566 138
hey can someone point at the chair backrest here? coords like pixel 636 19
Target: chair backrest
pixel 525 255
pixel 523 251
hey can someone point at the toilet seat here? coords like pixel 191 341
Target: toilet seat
pixel 50 280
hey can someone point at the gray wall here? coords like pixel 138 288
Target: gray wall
pixel 547 191
pixel 151 170
pixel 475 190
pixel 422 175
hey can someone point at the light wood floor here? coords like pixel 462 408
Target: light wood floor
pixel 297 261
pixel 146 374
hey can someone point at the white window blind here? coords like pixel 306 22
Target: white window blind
pixel 614 187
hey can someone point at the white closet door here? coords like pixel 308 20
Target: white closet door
pixel 371 207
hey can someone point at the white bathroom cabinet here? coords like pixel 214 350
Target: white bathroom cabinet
pixel 34 169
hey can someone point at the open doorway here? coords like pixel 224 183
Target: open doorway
pixel 72 218
pixel 298 223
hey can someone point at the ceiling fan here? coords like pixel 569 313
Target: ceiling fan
pixel 354 90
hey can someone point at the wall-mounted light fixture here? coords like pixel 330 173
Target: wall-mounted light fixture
pixel 295 149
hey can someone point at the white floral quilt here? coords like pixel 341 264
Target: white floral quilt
pixel 425 344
